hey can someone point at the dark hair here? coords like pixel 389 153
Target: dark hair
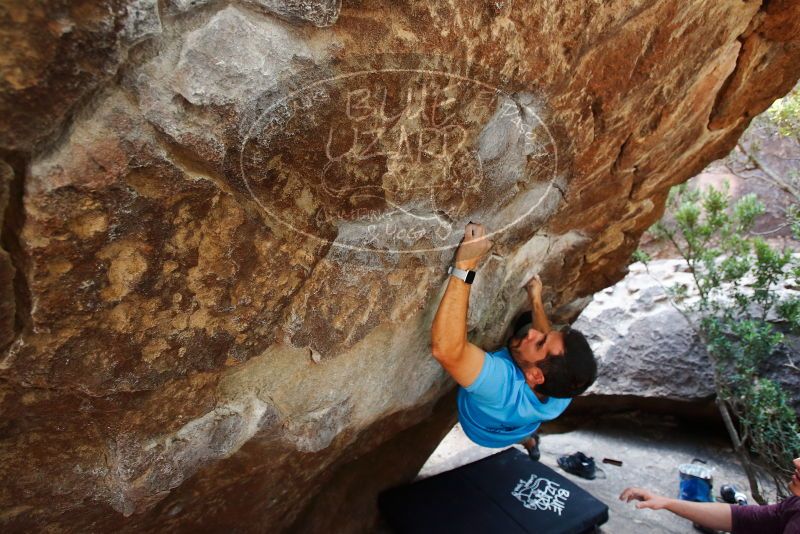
pixel 572 373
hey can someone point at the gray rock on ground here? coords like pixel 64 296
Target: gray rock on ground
pixel 647 349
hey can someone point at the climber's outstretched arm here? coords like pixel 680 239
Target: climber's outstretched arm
pixel 539 318
pixel 449 345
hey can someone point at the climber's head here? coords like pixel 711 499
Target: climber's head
pixel 556 364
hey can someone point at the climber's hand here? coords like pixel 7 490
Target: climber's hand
pixel 473 247
pixel 534 287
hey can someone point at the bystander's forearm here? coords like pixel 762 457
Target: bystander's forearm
pixel 712 515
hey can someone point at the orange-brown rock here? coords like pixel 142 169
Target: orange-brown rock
pixel 228 223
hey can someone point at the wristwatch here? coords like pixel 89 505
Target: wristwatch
pixel 467 276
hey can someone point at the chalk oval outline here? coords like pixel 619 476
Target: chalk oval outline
pixel 346 75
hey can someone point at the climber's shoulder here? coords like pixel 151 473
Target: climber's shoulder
pixel 465 366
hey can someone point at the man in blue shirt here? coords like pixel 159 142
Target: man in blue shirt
pixel 506 394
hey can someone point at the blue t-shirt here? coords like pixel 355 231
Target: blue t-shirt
pixel 500 408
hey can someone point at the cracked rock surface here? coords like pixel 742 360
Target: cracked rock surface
pixel 227 224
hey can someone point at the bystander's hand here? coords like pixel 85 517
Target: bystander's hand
pixel 648 498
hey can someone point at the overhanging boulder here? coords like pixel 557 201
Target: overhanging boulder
pixel 228 226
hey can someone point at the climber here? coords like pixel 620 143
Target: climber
pixel 505 394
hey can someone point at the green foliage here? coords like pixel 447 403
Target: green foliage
pixel 746 210
pixel 737 278
pixel 771 424
pixel 640 255
pixel 769 269
pixel 785 113
pixel 789 311
pixel 709 236
pixel 755 341
pixel 793 215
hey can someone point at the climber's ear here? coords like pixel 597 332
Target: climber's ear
pixel 534 376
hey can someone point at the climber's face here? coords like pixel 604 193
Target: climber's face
pixel 794 485
pixel 532 349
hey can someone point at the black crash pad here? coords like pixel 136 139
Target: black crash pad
pixel 504 493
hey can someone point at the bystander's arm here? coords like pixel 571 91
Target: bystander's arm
pixel 713 515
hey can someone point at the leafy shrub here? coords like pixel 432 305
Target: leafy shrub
pixel 736 277
pixel 785 113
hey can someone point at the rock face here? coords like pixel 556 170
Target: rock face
pixel 647 349
pixel 55 53
pixel 227 227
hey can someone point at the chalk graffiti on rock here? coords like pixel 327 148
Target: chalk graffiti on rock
pixel 417 143
pixel 391 160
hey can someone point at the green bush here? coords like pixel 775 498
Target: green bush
pixel 640 255
pixel 785 113
pixel 736 277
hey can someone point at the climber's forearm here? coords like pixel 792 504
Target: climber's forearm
pixel 713 515
pixel 449 330
pixel 539 318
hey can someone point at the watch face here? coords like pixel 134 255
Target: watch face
pixel 470 277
